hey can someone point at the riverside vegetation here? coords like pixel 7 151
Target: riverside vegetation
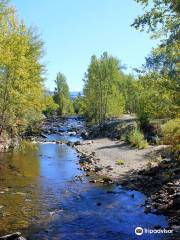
pixel 108 92
pixel 151 97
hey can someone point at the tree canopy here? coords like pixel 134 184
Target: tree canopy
pixel 21 82
pixel 101 94
pixel 161 70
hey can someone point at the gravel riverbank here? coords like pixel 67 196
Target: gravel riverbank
pixel 151 171
pixel 116 157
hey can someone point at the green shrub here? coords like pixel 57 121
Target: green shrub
pixel 171 134
pixel 125 137
pixel 123 129
pixel 120 162
pixel 136 139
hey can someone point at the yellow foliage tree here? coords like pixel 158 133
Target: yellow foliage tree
pixel 21 84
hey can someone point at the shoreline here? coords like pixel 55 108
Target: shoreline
pixel 150 171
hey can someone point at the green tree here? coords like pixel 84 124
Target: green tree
pixel 128 88
pixel 160 83
pixel 101 95
pixel 153 100
pixel 49 105
pixel 21 84
pixel 62 95
pixel 162 21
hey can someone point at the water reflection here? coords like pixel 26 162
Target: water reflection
pixel 18 190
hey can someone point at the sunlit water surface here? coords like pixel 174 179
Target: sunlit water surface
pixel 44 201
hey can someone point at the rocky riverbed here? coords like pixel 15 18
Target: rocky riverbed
pixel 152 171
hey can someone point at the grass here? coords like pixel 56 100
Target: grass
pixel 136 139
pixel 120 162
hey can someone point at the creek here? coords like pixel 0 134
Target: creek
pixel 41 197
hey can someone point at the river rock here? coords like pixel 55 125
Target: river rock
pixel 13 236
pixel 85 135
pixel 147 209
pixel 99 204
pixel 72 133
pixel 77 143
pixel 92 180
pixel 109 167
pixel 71 144
pixel 80 178
pixel 59 142
pixel 97 168
pixel 107 180
pixel 176 200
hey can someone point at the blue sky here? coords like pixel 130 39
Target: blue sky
pixel 74 30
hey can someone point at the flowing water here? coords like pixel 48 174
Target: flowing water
pixel 40 197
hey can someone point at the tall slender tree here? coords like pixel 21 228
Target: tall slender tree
pixel 62 95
